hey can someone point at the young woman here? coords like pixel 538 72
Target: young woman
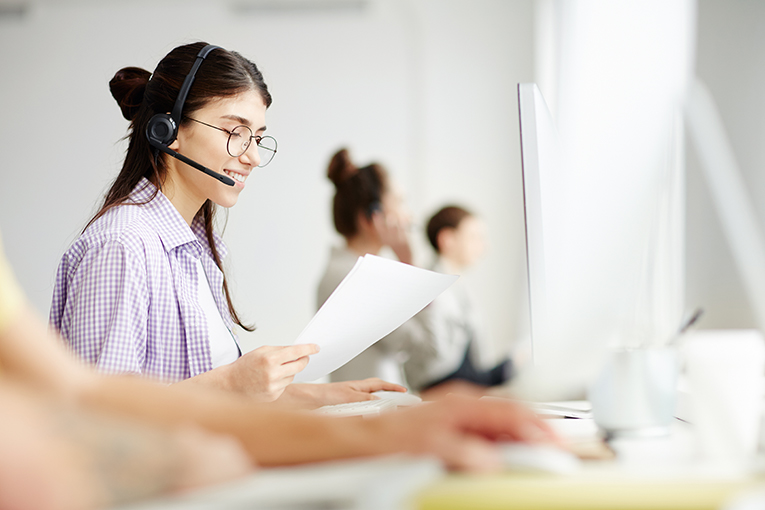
pixel 143 289
pixel 463 347
pixel 369 213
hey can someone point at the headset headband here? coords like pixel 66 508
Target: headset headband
pixel 179 102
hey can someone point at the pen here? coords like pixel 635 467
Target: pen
pixel 693 319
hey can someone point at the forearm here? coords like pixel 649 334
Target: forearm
pixel 272 436
pixel 217 379
pixel 67 457
pixel 33 356
pixel 301 396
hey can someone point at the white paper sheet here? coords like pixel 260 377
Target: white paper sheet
pixel 375 297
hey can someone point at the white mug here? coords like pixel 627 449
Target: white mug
pixel 636 392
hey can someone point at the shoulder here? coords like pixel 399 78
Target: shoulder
pixel 128 228
pixel 340 263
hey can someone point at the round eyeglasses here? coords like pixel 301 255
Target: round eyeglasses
pixel 240 138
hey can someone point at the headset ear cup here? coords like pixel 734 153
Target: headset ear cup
pixel 161 129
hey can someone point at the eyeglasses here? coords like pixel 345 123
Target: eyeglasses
pixel 240 138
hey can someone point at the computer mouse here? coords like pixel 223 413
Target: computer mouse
pixel 401 399
pixel 538 458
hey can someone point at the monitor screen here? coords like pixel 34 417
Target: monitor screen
pixel 540 157
pixel 601 250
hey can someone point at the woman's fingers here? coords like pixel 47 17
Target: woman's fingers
pixel 462 430
pixel 280 355
pixel 266 371
pixel 373 384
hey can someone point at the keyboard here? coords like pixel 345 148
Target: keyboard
pixel 387 401
pixel 365 408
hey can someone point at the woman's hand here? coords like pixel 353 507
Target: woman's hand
pixel 460 430
pixel 265 372
pixel 317 395
pixel 392 229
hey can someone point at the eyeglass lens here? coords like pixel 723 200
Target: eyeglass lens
pixel 240 139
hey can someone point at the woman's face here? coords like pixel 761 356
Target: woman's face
pixel 207 146
pixel 469 241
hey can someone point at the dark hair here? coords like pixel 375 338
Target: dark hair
pixel 141 94
pixel 448 217
pixel 356 190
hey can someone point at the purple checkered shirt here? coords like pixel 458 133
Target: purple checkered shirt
pixel 126 295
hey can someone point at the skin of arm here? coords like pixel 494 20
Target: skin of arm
pixel 59 456
pixel 311 396
pixel 261 374
pixel 458 430
pixel 265 374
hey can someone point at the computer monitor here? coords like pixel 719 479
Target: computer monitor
pixel 561 362
pixel 540 149
pixel 601 248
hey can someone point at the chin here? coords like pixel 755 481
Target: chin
pixel 227 201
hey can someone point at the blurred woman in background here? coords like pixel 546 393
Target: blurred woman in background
pixel 462 358
pixel 368 211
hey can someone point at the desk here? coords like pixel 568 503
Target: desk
pixel 657 473
pixel 650 473
pixel 578 492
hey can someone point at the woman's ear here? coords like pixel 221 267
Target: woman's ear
pixel 175 145
pixel 445 240
pixel 364 222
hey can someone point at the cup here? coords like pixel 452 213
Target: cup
pixel 635 393
pixel 725 376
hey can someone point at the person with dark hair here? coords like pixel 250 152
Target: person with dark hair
pixel 142 290
pixel 369 213
pixel 462 355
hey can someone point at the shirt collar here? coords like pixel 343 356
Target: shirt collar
pixel 172 229
pixel 198 228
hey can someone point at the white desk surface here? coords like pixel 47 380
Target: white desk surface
pixel 658 473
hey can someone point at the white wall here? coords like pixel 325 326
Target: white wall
pixel 730 60
pixel 427 87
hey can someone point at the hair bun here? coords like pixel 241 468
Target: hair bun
pixel 341 168
pixel 127 88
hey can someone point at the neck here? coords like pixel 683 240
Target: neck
pixel 186 203
pixel 361 245
pixel 451 266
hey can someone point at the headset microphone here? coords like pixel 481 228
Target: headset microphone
pixel 225 179
pixel 162 128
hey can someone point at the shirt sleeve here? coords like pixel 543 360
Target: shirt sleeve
pixel 105 313
pixel 11 296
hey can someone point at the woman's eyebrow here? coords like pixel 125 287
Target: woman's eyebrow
pixel 241 120
pixel 237 118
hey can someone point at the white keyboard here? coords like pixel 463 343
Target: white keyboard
pixel 363 408
pixel 388 401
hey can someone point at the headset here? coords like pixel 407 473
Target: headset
pixel 162 128
pixel 375 203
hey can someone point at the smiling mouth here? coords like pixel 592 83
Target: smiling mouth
pixel 237 177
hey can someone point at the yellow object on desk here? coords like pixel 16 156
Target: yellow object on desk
pixel 580 492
